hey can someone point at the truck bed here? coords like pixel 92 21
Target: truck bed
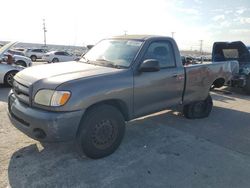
pixel 200 78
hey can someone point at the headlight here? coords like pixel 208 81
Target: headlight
pixel 48 97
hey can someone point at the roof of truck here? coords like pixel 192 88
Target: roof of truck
pixel 138 37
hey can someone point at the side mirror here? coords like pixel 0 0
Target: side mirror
pixel 149 65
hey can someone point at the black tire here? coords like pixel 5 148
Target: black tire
pixel 198 109
pixel 55 60
pixel 33 58
pixel 101 131
pixel 22 63
pixel 9 77
pixel 247 86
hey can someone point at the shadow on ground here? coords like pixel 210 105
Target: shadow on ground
pixel 4 93
pixel 231 93
pixel 164 150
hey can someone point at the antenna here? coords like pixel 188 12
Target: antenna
pixel 44 33
pixel 172 33
pixel 125 32
pixel 201 45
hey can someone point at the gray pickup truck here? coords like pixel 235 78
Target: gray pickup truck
pixel 119 79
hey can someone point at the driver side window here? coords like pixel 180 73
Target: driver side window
pixel 163 52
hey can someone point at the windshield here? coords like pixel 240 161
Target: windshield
pixel 113 52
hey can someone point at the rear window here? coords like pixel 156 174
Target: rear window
pixel 231 53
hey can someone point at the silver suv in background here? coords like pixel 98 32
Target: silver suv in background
pixel 36 53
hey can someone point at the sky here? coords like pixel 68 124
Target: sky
pixel 82 22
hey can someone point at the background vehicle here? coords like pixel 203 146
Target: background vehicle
pixel 223 51
pixel 119 79
pixel 35 54
pixel 59 56
pixel 16 52
pixel 20 58
pixel 187 60
pixel 248 47
pixel 20 49
pixel 7 70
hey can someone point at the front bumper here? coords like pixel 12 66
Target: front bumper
pixel 43 125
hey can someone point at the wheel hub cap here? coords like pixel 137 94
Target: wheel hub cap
pixel 104 134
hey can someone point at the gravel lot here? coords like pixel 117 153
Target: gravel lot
pixel 162 150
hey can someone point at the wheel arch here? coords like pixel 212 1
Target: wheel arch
pixel 55 58
pixel 4 78
pixel 20 60
pixel 219 82
pixel 117 103
pixel 33 55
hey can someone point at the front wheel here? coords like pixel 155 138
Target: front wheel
pixel 101 131
pixel 55 60
pixel 198 109
pixel 33 58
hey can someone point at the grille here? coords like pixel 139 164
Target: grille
pixel 21 92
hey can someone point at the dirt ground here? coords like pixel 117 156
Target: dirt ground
pixel 162 150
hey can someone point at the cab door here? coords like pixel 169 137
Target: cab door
pixel 154 91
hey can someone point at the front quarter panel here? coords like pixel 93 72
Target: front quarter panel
pixel 89 91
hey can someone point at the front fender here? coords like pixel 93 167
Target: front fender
pixel 89 91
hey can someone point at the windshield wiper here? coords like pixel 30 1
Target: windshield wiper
pixel 118 66
pixel 101 59
pixel 107 63
pixel 85 60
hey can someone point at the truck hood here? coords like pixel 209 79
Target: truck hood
pixel 21 57
pixel 61 72
pixel 6 47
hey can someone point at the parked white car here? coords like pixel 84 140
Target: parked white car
pixel 20 58
pixel 7 69
pixel 36 53
pixel 59 56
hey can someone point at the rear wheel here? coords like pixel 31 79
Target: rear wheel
pixel 101 131
pixel 198 109
pixel 9 78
